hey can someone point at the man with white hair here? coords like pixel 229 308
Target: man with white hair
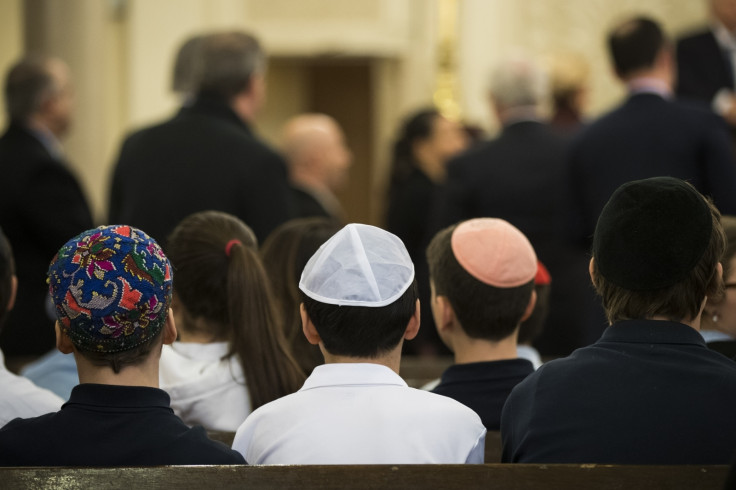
pixel 318 160
pixel 521 177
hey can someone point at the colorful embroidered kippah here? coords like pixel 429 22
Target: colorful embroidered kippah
pixel 111 287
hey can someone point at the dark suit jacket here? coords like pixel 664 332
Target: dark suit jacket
pixel 649 136
pixel 205 158
pixel 702 67
pixel 522 177
pixel 41 207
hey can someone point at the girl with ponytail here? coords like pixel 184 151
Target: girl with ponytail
pixel 231 356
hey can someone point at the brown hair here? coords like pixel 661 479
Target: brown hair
pixel 26 85
pixel 119 360
pixel 484 311
pixel 285 253
pixel 231 293
pixel 681 301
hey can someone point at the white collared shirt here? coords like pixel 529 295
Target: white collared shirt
pixel 205 389
pixel 19 397
pixel 361 414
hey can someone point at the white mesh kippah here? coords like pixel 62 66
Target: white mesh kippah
pixel 361 265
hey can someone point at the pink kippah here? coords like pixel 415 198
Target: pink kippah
pixel 494 252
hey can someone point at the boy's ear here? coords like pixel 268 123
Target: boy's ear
pixel 412 328
pixel 445 317
pixel 310 331
pixel 530 307
pixel 13 291
pixel 590 269
pixel 63 342
pixel 169 333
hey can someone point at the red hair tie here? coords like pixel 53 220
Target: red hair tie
pixel 230 245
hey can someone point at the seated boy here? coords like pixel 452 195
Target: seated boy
pixel 20 397
pixel 359 305
pixel 482 278
pixel 649 391
pixel 112 289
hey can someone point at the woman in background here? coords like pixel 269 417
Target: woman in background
pixel 425 144
pixel 285 253
pixel 230 357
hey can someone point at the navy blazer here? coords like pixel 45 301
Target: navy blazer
pixel 648 392
pixel 702 67
pixel 649 136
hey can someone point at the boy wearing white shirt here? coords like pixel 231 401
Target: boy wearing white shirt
pixel 21 398
pixel 359 305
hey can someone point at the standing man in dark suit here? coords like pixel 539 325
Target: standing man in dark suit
pixel 649 135
pixel 521 177
pixel 41 202
pixel 207 156
pixel 706 61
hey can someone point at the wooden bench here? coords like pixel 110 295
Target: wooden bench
pixel 512 477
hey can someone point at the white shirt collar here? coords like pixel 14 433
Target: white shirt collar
pixel 647 85
pixel 349 374
pixel 715 336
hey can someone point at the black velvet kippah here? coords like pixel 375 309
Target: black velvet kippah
pixel 651 233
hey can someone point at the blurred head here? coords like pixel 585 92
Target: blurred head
pixel 656 251
pixel 720 314
pixel 315 148
pixel 39 90
pixel 188 66
pixel 638 46
pixel 427 141
pixel 725 12
pixel 517 82
pixel 484 268
pixel 233 66
pixel 570 76
pixel 285 253
pixel 223 292
pixel 111 287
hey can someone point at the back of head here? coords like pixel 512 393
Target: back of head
pixel 188 66
pixel 417 127
pixel 111 287
pixel 635 45
pixel 222 287
pixel 656 248
pixel 359 291
pixel 485 267
pixel 229 62
pixel 518 81
pixel 7 271
pixel 27 84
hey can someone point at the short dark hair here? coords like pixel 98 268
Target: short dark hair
pixel 119 360
pixel 362 331
pixel 7 271
pixel 26 85
pixel 635 44
pixel 229 61
pixel 680 301
pixel 484 311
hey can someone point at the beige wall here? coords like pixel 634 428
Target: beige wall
pixel 121 53
pixel 11 40
pixel 545 27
